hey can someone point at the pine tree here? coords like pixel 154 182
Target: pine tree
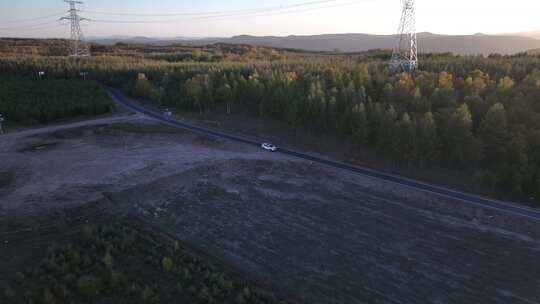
pixel 427 139
pixel 386 135
pixel 361 130
pixel 458 143
pixel 494 134
pixel 224 94
pixel 407 149
pixel 197 88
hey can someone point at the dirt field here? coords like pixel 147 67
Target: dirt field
pixel 70 166
pixel 310 233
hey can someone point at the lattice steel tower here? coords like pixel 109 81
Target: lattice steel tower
pixel 78 46
pixel 405 54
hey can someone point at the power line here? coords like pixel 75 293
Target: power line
pixel 29 26
pixel 41 28
pixel 286 12
pixel 260 12
pixel 33 19
pixel 209 13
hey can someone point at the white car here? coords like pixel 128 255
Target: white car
pixel 269 147
pixel 167 113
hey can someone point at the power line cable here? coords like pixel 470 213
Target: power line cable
pixel 208 13
pixel 285 12
pixel 40 28
pixel 29 26
pixel 225 16
pixel 33 19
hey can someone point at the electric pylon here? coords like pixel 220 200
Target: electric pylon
pixel 405 53
pixel 78 46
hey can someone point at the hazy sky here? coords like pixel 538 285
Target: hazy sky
pixel 340 16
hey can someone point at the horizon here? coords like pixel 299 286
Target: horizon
pixel 280 18
pixel 527 34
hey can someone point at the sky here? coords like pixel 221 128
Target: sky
pixel 39 18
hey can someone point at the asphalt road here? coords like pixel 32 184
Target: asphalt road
pixel 505 207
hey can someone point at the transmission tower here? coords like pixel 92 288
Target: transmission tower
pixel 405 54
pixel 78 47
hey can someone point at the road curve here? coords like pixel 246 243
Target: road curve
pixel 505 207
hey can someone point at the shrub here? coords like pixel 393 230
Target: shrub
pixel 240 299
pixel 89 286
pixel 167 264
pixel 19 277
pixel 9 293
pixel 108 260
pixel 149 295
pixel 48 297
pixel 247 292
pixel 117 279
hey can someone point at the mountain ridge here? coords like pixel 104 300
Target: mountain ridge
pixel 477 44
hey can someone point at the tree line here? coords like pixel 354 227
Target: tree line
pixel 28 101
pixel 471 112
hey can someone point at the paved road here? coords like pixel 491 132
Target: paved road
pixel 505 207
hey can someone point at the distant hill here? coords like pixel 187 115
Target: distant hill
pixel 428 42
pixel 124 39
pixel 533 34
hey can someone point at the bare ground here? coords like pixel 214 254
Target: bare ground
pixel 58 166
pixel 311 233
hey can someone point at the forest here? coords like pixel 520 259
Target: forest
pixel 30 101
pixel 474 113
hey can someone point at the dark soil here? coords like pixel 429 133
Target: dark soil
pixel 7 177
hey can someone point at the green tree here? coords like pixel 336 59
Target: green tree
pixel 494 134
pixel 89 286
pixel 361 130
pixel 515 173
pixel 224 94
pixel 167 264
pixel 457 139
pixel 407 140
pixel 108 260
pixel 195 88
pixel 479 108
pixel 427 139
pixel 387 135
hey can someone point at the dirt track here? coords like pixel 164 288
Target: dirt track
pixel 315 234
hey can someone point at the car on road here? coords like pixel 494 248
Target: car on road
pixel 167 113
pixel 269 147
